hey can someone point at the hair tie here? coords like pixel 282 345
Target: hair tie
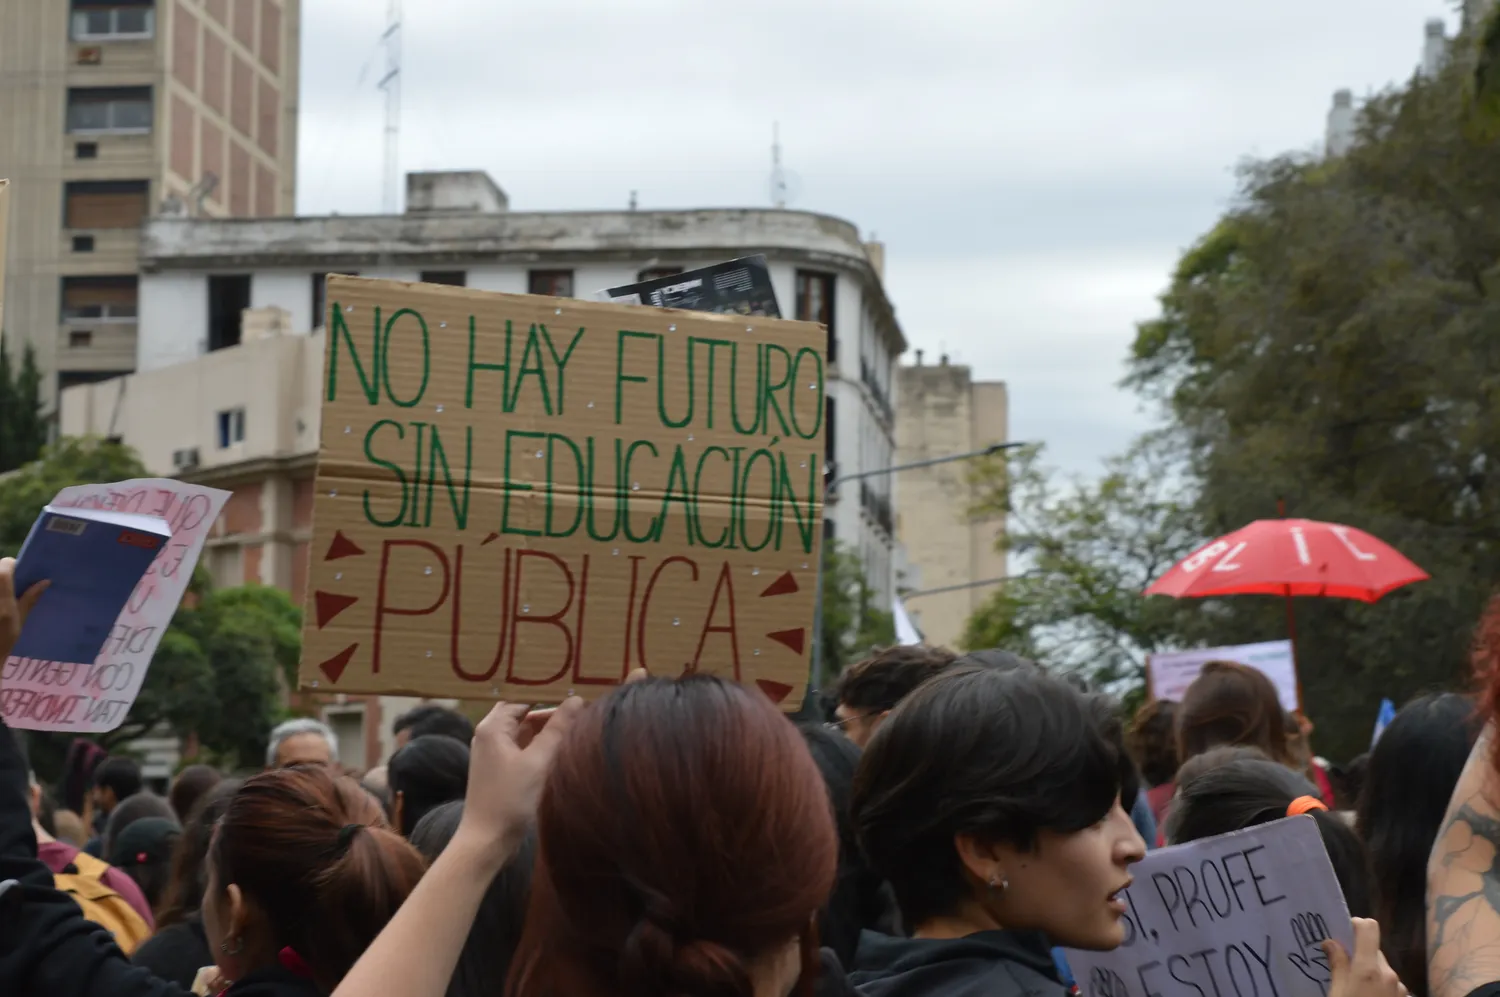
pixel 140 858
pixel 293 962
pixel 346 835
pixel 1304 805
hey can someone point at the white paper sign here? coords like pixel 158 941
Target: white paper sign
pixel 1171 674
pixel 94 697
pixel 1240 915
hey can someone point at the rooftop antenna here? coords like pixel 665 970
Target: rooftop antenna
pixel 633 201
pixel 778 175
pixel 391 84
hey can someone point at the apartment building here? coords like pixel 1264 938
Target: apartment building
pixel 230 353
pixel 951 561
pixel 116 111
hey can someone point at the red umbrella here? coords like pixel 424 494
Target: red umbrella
pixel 1290 557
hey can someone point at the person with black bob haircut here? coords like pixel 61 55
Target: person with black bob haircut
pixel 1245 792
pixel 428 719
pixel 431 770
pixel 1399 813
pixel 990 800
pixel 496 933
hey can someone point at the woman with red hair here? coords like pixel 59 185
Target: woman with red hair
pixel 685 846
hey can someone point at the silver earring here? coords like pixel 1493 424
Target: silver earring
pixel 239 947
pixel 998 881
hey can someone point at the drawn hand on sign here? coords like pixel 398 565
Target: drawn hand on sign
pixel 13 611
pixel 1310 931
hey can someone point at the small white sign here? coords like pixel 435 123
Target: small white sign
pixel 91 697
pixel 1172 673
pixel 1238 915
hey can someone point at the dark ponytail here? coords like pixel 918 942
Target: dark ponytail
pixel 315 854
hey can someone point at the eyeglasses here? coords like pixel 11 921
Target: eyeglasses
pixel 840 724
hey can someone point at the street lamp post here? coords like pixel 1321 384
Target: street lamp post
pixel 816 658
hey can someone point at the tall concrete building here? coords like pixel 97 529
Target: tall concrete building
pixel 118 110
pixel 951 555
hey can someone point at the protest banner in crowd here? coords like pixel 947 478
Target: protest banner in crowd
pixel 1239 915
pixel 91 697
pixel 1172 673
pixel 526 497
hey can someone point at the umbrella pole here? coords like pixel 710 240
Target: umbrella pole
pixel 1291 632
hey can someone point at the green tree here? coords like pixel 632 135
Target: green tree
pixel 70 461
pixel 1332 342
pixel 1085 550
pixel 853 622
pixel 23 432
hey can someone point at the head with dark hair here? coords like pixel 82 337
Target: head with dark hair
pixel 1348 780
pixel 491 947
pixel 870 689
pixel 114 780
pixel 303 860
pixel 714 780
pixel 431 770
pixel 858 901
pixel 1215 757
pixel 992 797
pixel 1153 741
pixel 1249 791
pixel 1231 704
pixel 1106 712
pixel 83 758
pixel 430 719
pixel 144 851
pixel 1400 811
pixel 138 807
pixel 995 657
pixel 189 874
pixel 189 786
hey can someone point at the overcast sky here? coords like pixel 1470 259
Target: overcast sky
pixel 1034 166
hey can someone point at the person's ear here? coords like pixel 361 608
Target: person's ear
pixel 984 860
pixel 238 920
pixel 34 793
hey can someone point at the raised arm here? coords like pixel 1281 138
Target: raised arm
pixel 1463 882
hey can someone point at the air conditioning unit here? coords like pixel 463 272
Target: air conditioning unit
pixel 185 459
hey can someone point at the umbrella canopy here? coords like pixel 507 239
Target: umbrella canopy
pixel 1291 557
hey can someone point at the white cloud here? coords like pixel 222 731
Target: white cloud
pixel 1034 166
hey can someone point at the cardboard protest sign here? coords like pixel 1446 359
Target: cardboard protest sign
pixel 1172 673
pixel 90 697
pixel 1239 915
pixel 523 496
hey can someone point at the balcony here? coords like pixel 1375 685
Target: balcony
pixel 877 507
pixel 96 346
pixel 877 393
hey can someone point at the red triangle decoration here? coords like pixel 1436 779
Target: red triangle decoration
pixel 342 546
pixel 785 585
pixel 334 666
pixel 777 691
pixel 489 539
pixel 794 639
pixel 331 604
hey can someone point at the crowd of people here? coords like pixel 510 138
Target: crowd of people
pixel 950 826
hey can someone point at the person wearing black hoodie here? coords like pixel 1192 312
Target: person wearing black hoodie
pixel 990 800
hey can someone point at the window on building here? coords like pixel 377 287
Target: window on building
pixel 122 20
pixel 125 110
pixel 99 299
pixel 558 283
pixel 228 297
pixel 830 448
pixel 80 339
pixel 448 278
pixel 656 273
pixel 815 303
pixel 107 204
pixel 83 244
pixel 86 150
pixel 320 297
pixel 231 427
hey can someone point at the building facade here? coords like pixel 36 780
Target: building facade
pixel 230 352
pixel 952 560
pixel 116 111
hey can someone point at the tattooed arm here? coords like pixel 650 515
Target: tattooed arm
pixel 1463 883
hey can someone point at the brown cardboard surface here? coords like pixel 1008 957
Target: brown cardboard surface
pixel 524 497
pixel 4 229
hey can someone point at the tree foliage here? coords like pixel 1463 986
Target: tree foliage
pixel 853 622
pixel 23 433
pixel 220 668
pixel 1082 552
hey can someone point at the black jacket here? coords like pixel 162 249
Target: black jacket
pixel 176 952
pixel 986 964
pixel 47 949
